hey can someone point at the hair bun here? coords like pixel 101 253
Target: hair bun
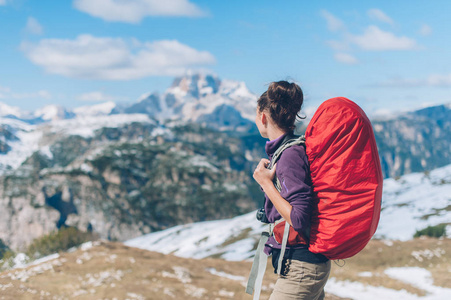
pixel 286 92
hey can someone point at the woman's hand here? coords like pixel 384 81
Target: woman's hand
pixel 263 175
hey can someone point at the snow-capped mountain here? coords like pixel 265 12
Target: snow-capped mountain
pixel 53 112
pixel 198 98
pixel 408 142
pixel 201 98
pixel 102 109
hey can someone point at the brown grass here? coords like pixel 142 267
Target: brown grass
pixel 431 254
pixel 112 270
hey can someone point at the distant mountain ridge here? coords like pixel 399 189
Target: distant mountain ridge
pixel 202 98
pixel 408 142
pixel 415 141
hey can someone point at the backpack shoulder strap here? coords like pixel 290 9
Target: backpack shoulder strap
pixel 289 140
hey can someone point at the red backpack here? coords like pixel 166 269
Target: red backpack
pixel 347 179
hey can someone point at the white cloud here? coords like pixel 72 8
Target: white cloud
pixel 372 39
pixel 379 15
pixel 433 80
pixel 338 45
pixel 107 58
pixel 42 94
pixel 378 40
pixel 95 97
pixel 345 58
pixel 33 26
pixel 7 93
pixel 333 23
pixel 425 30
pixel 4 89
pixel 133 11
pixel 439 80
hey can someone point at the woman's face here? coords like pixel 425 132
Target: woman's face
pixel 260 118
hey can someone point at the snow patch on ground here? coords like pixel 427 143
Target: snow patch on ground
pixel 428 254
pixel 213 271
pixel 44 259
pixel 417 277
pixel 204 239
pixel 414 202
pixel 180 273
pixel 420 278
pixel 357 290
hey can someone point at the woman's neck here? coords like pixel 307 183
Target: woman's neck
pixel 274 132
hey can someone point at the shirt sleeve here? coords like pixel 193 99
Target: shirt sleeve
pixel 294 175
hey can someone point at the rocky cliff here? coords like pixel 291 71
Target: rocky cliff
pixel 414 142
pixel 126 181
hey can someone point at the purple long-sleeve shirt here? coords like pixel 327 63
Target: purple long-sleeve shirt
pixel 294 176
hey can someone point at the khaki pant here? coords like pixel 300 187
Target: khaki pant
pixel 301 281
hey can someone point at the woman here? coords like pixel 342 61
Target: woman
pixel 304 274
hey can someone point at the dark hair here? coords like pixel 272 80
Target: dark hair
pixel 283 101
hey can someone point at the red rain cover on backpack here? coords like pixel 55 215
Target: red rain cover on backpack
pixel 347 179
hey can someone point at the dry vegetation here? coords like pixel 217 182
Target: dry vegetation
pixel 114 271
pixel 428 253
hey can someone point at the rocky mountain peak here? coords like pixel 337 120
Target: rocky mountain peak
pixel 105 108
pixel 197 84
pixel 53 112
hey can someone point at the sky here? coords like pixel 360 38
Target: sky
pixel 385 55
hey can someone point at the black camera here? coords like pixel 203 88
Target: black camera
pixel 261 216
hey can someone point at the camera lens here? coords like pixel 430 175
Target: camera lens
pixel 261 216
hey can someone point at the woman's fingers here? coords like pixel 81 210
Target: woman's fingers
pixel 262 173
pixel 264 162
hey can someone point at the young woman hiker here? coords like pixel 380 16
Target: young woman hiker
pixel 304 274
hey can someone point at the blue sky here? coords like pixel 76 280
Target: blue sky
pixel 385 55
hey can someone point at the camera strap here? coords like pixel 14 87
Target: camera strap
pixel 255 280
pixel 254 283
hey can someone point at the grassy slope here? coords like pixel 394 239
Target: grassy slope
pixel 112 270
pixel 428 253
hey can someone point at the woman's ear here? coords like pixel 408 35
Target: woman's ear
pixel 264 119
